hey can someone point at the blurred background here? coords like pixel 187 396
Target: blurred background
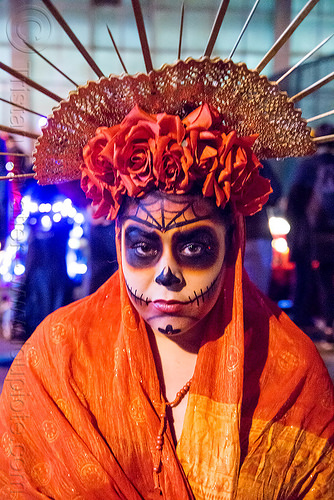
pixel 53 252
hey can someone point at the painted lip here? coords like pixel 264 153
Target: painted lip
pixel 168 306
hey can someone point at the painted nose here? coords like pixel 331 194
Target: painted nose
pixel 168 279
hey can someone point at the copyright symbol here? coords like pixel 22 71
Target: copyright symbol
pixel 28 23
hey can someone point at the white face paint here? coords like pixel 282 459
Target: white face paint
pixel 173 250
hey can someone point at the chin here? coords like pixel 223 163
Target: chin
pixel 173 328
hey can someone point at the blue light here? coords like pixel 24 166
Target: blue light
pixel 46 222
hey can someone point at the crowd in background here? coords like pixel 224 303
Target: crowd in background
pixel 310 211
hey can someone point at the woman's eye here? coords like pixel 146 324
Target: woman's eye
pixel 146 250
pixel 198 248
pixel 192 250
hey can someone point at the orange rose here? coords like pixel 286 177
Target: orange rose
pixel 133 149
pixel 100 181
pixel 172 163
pixel 105 197
pixel 96 159
pixel 172 159
pixel 236 176
pixel 146 152
pixel 203 140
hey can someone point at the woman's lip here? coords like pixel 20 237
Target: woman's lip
pixel 168 306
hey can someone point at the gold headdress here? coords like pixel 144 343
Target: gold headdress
pixel 248 102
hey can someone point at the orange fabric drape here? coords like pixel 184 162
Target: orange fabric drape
pixel 80 410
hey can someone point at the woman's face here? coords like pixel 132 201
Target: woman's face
pixel 173 250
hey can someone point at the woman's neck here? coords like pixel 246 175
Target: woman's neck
pixel 189 341
pixel 175 362
pixel 175 358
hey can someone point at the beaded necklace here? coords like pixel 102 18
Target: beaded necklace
pixel 163 420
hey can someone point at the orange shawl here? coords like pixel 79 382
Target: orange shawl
pixel 80 408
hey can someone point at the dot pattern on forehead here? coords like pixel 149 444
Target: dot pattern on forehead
pixel 150 213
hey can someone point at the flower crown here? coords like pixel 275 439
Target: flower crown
pixel 147 152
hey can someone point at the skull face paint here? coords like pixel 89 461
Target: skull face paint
pixel 173 250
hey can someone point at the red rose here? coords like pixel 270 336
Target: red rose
pixel 236 177
pixel 171 126
pixel 202 118
pixel 249 190
pixel 96 160
pixel 105 198
pixel 146 152
pixel 254 196
pixel 133 149
pixel 172 163
pixel 172 159
pixel 218 180
pixel 100 181
pixel 204 141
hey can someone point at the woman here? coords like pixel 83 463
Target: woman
pixel 177 378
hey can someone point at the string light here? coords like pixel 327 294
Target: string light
pixel 43 216
pixel 9 166
pixel 42 122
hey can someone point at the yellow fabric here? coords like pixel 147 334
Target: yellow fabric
pixel 207 453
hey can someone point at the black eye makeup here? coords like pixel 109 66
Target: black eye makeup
pixel 196 248
pixel 142 248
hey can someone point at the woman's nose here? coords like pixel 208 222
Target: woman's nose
pixel 168 272
pixel 170 280
pixel 167 278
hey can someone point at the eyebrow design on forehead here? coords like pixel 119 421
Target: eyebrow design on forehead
pixel 148 213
